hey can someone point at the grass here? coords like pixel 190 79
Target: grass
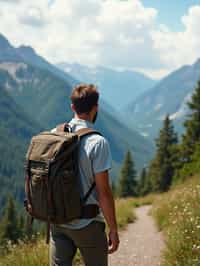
pixel 147 200
pixel 177 213
pixel 36 254
pixel 124 212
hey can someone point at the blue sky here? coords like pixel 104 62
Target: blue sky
pixel 171 11
pixel 151 36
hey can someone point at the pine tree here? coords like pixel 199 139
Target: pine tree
pixel 161 169
pixel 141 182
pixel 9 229
pixel 192 125
pixel 144 184
pixel 127 181
pixel 22 226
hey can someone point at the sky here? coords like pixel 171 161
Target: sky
pixel 151 36
pixel 170 12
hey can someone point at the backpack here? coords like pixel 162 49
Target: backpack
pixel 51 178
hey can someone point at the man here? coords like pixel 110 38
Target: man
pixel 94 162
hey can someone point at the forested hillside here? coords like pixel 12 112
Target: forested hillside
pixel 176 159
pixel 15 131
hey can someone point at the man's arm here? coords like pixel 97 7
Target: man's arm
pixel 107 205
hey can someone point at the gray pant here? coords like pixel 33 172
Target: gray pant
pixel 90 240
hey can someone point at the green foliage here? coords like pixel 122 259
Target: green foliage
pixel 162 167
pixel 125 212
pixel 15 130
pixel 188 160
pixel 146 200
pixel 177 213
pixel 9 226
pixel 144 184
pixel 192 126
pixel 127 181
pixel 191 168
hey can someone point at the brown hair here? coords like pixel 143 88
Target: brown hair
pixel 84 97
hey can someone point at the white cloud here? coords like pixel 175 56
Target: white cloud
pixel 155 73
pixel 178 48
pixel 120 34
pixel 10 1
pixel 90 32
pixel 34 17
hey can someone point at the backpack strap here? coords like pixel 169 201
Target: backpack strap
pixel 87 131
pixel 65 127
pixel 82 133
pixel 89 210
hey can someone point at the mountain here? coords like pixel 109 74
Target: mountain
pixel 45 97
pixel 16 129
pixel 116 87
pixel 170 96
pixel 28 55
pixel 33 99
pixel 37 90
pixel 6 50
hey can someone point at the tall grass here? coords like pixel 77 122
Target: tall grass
pixel 32 254
pixel 36 254
pixel 125 212
pixel 178 214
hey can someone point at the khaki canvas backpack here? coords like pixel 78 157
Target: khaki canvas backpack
pixel 51 178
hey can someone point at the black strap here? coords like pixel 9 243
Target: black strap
pixel 87 131
pixel 29 224
pixel 90 211
pixel 89 192
pixel 48 232
pixel 65 127
pixel 81 133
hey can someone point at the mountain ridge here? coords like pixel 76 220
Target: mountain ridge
pixel 116 87
pixel 169 96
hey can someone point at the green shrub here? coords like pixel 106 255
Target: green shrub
pixel 124 211
pixel 178 214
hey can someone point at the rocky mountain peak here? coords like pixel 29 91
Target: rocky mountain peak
pixel 4 43
pixel 27 50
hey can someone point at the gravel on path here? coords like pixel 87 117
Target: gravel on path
pixel 140 244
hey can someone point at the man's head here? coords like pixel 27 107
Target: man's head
pixel 84 99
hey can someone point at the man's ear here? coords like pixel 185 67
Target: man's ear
pixel 95 108
pixel 72 107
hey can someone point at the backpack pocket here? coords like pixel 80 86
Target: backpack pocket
pixel 71 195
pixel 38 191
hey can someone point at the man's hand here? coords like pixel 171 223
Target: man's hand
pixel 113 242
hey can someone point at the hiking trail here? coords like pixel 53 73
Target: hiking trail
pixel 140 244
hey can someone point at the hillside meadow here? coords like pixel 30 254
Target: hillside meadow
pixel 177 213
pixel 36 253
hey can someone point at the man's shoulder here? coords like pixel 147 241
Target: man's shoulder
pixel 97 138
pixel 97 142
pixel 53 130
pixel 93 139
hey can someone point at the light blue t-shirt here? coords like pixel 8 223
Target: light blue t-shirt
pixel 94 157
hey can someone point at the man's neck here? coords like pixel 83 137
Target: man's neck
pixel 83 117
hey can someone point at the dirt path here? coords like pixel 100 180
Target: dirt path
pixel 141 244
